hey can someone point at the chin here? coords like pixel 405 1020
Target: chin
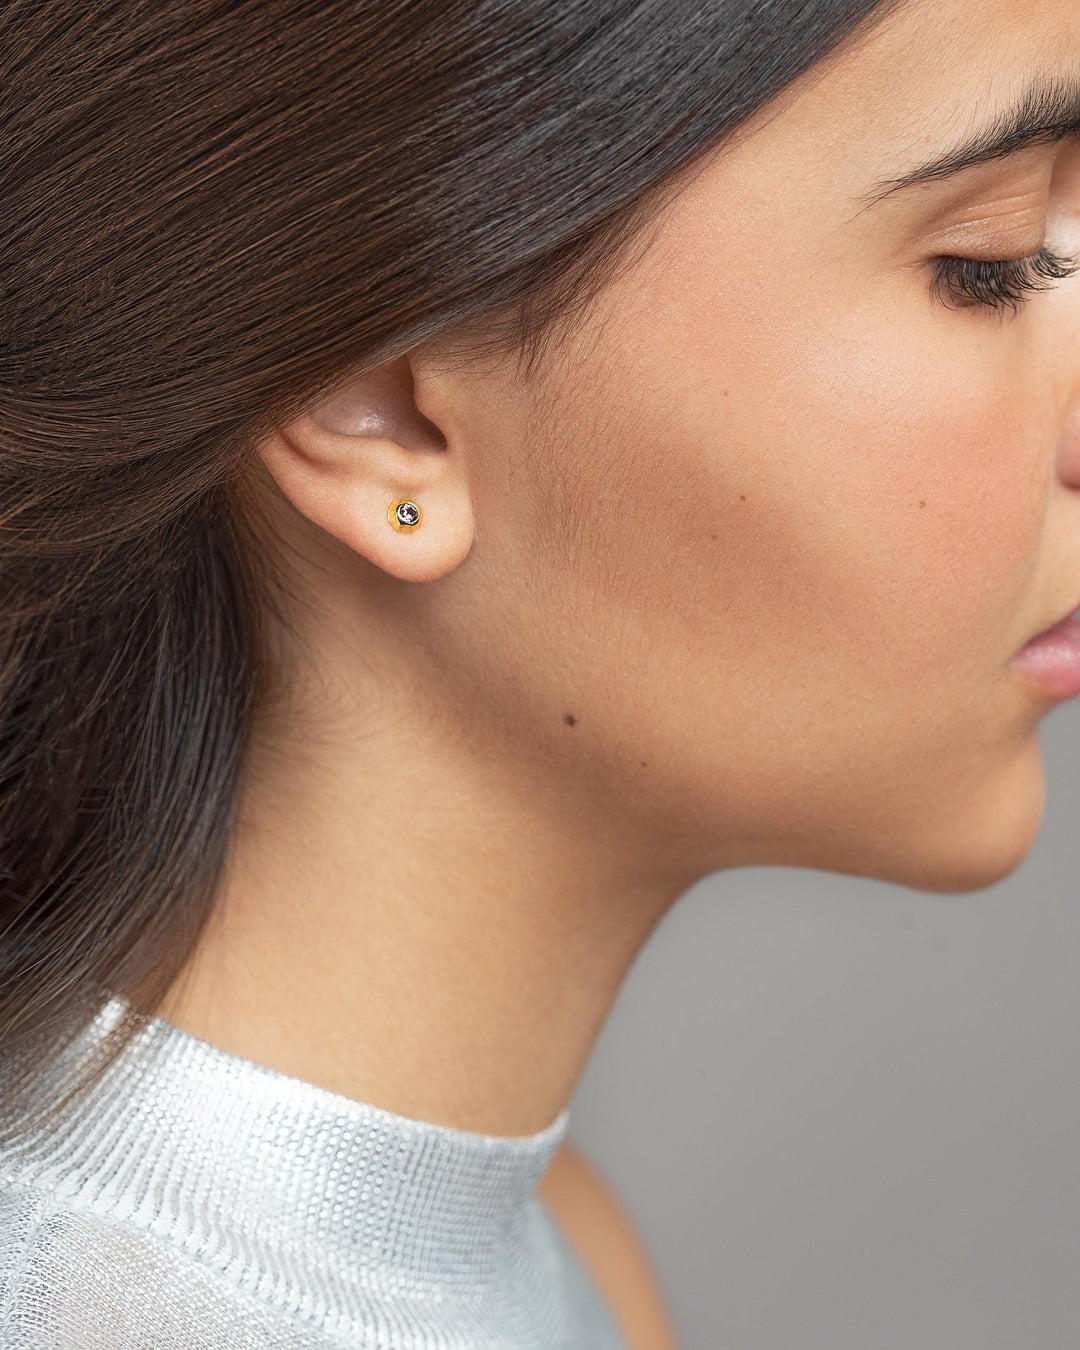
pixel 979 836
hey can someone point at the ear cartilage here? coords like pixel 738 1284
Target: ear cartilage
pixel 404 515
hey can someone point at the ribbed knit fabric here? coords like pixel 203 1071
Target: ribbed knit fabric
pixel 197 1200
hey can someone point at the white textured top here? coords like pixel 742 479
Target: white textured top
pixel 197 1200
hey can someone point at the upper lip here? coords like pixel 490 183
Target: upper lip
pixel 1061 619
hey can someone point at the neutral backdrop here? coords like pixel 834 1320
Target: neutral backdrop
pixel 845 1115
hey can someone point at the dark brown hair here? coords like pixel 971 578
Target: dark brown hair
pixel 210 214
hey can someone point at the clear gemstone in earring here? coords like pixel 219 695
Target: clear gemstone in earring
pixel 404 515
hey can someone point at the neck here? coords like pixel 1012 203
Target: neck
pixel 413 919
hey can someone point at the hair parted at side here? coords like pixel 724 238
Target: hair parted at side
pixel 210 215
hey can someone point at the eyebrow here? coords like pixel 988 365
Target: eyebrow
pixel 1047 112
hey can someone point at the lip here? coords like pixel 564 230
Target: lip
pixel 1051 659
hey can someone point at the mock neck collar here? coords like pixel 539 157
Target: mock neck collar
pixel 184 1135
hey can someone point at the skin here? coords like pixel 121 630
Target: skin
pixel 594 1221
pixel 734 579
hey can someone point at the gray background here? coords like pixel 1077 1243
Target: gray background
pixel 845 1114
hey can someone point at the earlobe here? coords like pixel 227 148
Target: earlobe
pixel 369 468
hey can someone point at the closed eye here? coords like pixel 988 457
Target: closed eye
pixel 998 285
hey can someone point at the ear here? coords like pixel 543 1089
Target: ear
pixel 365 447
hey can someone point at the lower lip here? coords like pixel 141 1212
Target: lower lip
pixel 1052 660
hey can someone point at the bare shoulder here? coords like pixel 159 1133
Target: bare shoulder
pixel 596 1224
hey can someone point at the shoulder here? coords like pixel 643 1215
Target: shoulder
pixel 73 1277
pixel 597 1225
pixel 33 1277
pixel 62 1273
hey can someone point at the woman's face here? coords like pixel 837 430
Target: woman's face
pixel 754 548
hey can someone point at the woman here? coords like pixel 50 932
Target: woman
pixel 469 471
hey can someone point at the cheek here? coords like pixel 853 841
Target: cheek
pixel 818 551
pixel 927 483
pixel 866 486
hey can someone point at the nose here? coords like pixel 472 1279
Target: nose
pixel 1068 464
pixel 1063 351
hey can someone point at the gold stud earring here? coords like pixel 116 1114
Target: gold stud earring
pixel 404 515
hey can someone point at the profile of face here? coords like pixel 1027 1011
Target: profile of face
pixel 735 576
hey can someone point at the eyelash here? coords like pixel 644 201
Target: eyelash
pixel 1008 283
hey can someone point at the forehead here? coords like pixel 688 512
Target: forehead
pixel 956 52
pixel 917 83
